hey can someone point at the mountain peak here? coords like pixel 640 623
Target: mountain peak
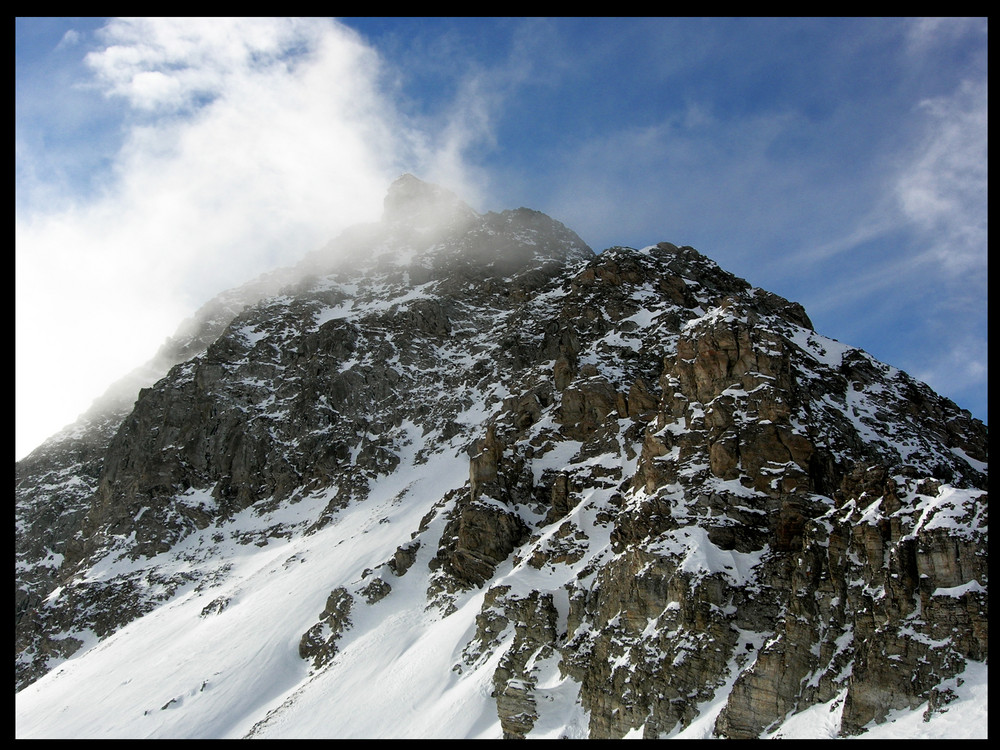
pixel 427 225
pixel 410 200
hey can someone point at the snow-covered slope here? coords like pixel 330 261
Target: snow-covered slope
pixel 463 478
pixel 221 660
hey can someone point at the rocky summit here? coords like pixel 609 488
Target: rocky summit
pixel 458 475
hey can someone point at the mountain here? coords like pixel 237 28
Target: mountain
pixel 456 475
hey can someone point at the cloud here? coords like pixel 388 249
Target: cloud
pixel 943 190
pixel 935 193
pixel 247 143
pixel 926 34
pixel 69 39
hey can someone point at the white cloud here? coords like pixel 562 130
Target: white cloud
pixel 925 34
pixel 69 39
pixel 249 143
pixel 197 55
pixel 943 190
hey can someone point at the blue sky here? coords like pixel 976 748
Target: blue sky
pixel 840 163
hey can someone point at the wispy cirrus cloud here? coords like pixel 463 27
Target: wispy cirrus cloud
pixel 943 190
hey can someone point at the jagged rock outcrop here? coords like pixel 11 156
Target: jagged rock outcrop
pixel 678 494
pixel 319 643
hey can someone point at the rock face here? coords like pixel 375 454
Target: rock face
pixel 677 490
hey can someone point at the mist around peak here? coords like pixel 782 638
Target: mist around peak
pixel 412 201
pixel 429 228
